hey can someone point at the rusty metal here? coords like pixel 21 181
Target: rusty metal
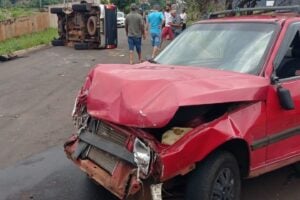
pixel 122 182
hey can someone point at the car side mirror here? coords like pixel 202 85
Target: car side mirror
pixel 285 98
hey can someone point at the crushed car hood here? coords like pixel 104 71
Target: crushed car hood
pixel 148 95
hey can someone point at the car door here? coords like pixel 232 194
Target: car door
pixel 283 126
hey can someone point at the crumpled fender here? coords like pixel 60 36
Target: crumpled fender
pixel 149 95
pixel 197 144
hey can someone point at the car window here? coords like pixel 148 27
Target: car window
pixel 119 14
pixel 236 47
pixel 290 64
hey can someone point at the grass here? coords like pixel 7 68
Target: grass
pixel 8 13
pixel 27 41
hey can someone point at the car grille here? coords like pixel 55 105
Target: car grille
pixel 105 160
pixel 109 133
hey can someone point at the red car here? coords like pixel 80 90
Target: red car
pixel 220 103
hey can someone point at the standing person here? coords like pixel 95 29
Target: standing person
pixel 167 30
pixel 183 17
pixel 155 22
pixel 134 27
pixel 176 23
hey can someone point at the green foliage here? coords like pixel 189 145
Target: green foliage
pixel 27 41
pixel 196 8
pixel 28 3
pixel 5 3
pixel 124 5
pixel 104 1
pixel 14 12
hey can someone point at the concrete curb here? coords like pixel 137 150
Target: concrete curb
pixel 31 50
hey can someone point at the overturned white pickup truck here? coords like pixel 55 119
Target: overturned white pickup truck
pixel 86 26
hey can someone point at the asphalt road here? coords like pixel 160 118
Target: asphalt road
pixel 36 98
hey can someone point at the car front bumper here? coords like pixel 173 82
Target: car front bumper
pixel 122 181
pixel 121 24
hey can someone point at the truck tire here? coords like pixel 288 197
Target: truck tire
pixel 81 46
pixel 217 177
pixel 81 7
pixel 92 25
pixel 56 10
pixel 57 42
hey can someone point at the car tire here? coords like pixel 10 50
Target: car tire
pixel 217 176
pixel 92 25
pixel 81 7
pixel 56 10
pixel 81 46
pixel 57 42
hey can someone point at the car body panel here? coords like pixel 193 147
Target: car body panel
pixel 133 95
pixel 246 123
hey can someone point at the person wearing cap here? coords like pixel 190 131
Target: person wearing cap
pixel 134 27
pixel 155 21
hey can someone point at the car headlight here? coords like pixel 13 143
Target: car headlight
pixel 142 156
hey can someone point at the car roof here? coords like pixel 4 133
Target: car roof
pixel 280 19
pixel 278 14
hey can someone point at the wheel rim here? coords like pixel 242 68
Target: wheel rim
pixel 224 186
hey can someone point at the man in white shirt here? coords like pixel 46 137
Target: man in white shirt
pixel 167 30
pixel 183 17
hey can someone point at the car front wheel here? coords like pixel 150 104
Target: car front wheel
pixel 215 178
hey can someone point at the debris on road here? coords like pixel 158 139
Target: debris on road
pixel 8 57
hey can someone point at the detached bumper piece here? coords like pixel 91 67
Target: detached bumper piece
pixel 99 153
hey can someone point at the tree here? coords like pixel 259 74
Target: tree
pixel 122 4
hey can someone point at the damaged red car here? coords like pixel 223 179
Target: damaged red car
pixel 220 103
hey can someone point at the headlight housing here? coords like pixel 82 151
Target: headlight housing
pixel 142 156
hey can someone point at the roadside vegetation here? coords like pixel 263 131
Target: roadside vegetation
pixel 14 12
pixel 27 41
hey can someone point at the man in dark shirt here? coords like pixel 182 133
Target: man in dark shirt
pixel 134 27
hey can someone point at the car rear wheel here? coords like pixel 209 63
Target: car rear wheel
pixel 216 178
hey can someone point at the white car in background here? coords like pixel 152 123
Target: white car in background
pixel 120 19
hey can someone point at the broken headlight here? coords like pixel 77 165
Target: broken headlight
pixel 142 156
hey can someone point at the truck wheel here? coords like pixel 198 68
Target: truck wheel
pixel 81 46
pixel 81 7
pixel 216 178
pixel 56 10
pixel 57 42
pixel 92 25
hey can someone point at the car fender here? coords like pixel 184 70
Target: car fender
pixel 203 140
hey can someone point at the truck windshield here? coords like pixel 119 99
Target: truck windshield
pixel 238 47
